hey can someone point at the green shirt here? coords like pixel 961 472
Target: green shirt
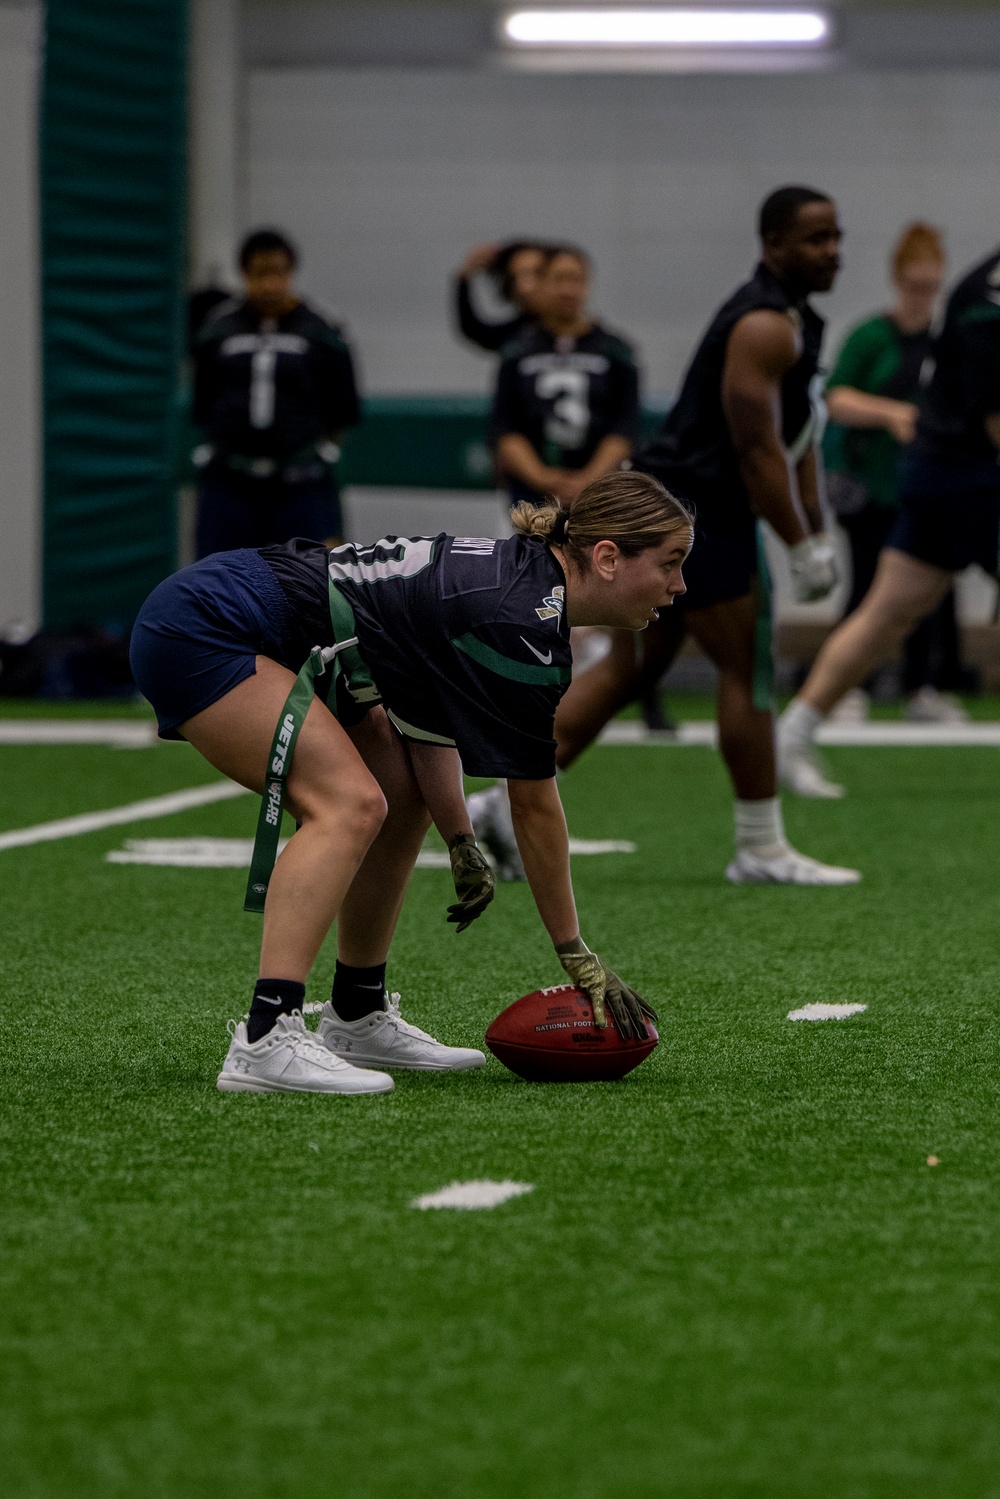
pixel 877 358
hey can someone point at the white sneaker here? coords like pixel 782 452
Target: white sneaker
pixel 930 706
pixel 787 868
pixel 852 708
pixel 385 1039
pixel 290 1059
pixel 800 769
pixel 493 826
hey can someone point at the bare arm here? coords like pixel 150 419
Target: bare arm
pixel 438 772
pixel 609 455
pixel 856 408
pixel 540 825
pixel 992 425
pixel 516 456
pixel 807 474
pixel 762 348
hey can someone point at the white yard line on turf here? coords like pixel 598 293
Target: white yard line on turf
pixel 92 822
pixel 862 735
pixel 475 1194
pixel 234 853
pixel 119 733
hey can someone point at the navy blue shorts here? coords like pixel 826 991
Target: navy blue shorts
pixel 949 511
pixel 199 633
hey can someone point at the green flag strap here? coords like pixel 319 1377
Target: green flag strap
pixel 763 659
pixel 345 657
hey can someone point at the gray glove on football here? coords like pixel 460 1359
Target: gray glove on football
pixel 474 882
pixel 604 987
pixel 813 564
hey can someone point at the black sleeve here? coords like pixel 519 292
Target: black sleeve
pixel 506 414
pixel 981 363
pixel 341 406
pixel 625 416
pixel 491 336
pixel 206 382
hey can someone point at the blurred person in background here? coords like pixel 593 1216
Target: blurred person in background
pixel 948 517
pixel 513 270
pixel 739 446
pixel 566 408
pixel 566 412
pixel 274 390
pixel 872 400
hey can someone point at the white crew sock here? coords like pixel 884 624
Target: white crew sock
pixel 759 827
pixel 799 722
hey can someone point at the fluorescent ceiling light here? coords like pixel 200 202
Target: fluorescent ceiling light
pixel 666 28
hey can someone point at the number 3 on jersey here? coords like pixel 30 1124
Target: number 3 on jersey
pixel 569 419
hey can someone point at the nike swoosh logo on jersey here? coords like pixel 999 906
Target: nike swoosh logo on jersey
pixel 545 659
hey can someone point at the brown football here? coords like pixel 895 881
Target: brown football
pixel 550 1037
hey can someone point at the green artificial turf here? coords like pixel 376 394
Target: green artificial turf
pixel 737 1277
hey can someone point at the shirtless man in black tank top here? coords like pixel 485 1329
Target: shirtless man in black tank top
pixel 738 446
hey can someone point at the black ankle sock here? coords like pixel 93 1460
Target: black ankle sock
pixel 271 998
pixel 358 991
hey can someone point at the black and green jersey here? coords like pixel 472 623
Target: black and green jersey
pixel 881 360
pixel 565 395
pixel 465 638
pixel 965 386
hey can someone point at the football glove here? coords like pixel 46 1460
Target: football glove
pixel 813 564
pixel 605 988
pixel 474 882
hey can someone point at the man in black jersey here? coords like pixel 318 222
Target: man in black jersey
pixel 566 408
pixel 274 390
pixel 738 446
pixel 513 268
pixel 949 510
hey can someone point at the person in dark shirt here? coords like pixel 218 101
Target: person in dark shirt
pixel 566 408
pixel 274 390
pixel 465 640
pixel 738 445
pixel 513 268
pixel 871 396
pixel 948 517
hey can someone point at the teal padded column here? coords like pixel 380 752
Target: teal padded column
pixel 113 197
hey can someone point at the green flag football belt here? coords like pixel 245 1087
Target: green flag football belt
pixel 342 659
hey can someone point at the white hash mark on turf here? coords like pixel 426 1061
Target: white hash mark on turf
pixel 477 1194
pixel 826 1012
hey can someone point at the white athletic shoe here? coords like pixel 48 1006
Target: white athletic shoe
pixel 852 708
pixel 800 769
pixel 290 1059
pixel 489 812
pixel 787 868
pixel 930 706
pixel 385 1039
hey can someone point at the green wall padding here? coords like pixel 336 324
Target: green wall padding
pixel 430 442
pixel 113 195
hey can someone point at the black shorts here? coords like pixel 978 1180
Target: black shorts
pixel 949 511
pixel 723 562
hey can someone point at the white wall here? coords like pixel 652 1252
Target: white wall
pixel 385 176
pixel 20 466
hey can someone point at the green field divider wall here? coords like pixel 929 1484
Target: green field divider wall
pixel 113 138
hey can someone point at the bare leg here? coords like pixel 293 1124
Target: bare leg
pixel 331 793
pixel 372 905
pixel 903 592
pixel 726 633
pixel 636 661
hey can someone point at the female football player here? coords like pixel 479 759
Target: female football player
pixel 431 654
